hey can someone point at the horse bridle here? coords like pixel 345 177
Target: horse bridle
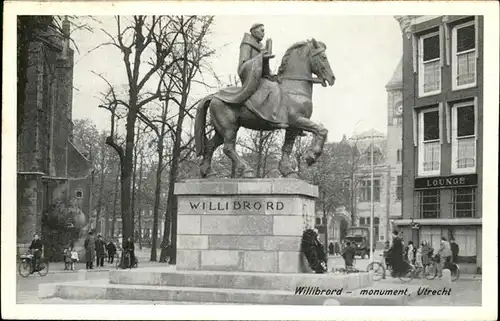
pixel 316 51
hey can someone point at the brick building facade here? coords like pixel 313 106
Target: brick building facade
pixel 52 175
pixel 442 131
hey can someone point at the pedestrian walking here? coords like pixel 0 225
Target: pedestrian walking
pixel 111 247
pixel 100 251
pixel 337 248
pixel 331 248
pixel 89 251
pixel 454 250
pixel 418 261
pixel 410 253
pixel 426 254
pixel 67 259
pixel 74 258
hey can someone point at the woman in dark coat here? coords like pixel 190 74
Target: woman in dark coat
pixel 397 252
pixel 100 250
pixel 111 248
pixel 89 251
pixel 426 251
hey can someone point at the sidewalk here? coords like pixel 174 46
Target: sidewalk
pixel 142 255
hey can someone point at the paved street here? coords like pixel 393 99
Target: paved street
pixel 467 291
pixel 27 288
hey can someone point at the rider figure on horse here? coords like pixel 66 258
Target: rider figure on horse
pixel 250 48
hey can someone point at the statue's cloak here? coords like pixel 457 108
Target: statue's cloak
pixel 260 95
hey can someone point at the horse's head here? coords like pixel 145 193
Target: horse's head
pixel 319 63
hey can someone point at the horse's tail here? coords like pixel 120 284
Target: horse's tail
pixel 200 125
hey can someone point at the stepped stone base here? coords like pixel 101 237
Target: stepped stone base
pixel 243 225
pixel 157 286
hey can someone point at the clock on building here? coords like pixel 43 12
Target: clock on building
pixel 398 108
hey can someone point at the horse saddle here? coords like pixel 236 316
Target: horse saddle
pixel 265 102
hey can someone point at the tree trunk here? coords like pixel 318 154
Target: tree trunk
pixel 156 208
pixel 115 205
pixel 139 202
pixel 171 213
pixel 101 189
pixel 127 170
pixel 134 187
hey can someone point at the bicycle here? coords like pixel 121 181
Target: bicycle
pixel 26 267
pixel 379 268
pixel 434 268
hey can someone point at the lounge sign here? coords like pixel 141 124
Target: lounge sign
pixel 446 181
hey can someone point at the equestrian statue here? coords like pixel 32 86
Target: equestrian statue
pixel 266 102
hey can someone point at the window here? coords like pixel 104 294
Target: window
pixel 318 221
pixel 361 221
pixel 376 221
pixel 398 155
pixel 367 221
pixel 464 55
pixel 429 154
pixel 399 187
pixel 464 202
pixel 429 67
pixel 428 202
pixel 365 190
pixel 79 193
pixel 463 138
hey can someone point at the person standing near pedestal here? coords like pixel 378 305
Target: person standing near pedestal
pixel 89 251
pixel 100 250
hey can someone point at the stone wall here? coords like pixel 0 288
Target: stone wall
pixel 237 226
pixel 28 213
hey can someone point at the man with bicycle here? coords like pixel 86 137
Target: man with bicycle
pixel 399 265
pixel 444 255
pixel 36 247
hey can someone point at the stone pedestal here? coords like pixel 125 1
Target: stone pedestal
pixel 243 225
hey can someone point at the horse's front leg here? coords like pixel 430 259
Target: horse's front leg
pixel 320 134
pixel 242 169
pixel 285 166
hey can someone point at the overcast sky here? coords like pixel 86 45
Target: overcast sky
pixel 363 52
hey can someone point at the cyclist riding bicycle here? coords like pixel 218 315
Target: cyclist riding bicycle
pixel 36 248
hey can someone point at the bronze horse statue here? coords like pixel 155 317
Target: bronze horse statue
pixel 294 101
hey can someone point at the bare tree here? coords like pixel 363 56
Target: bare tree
pixel 145 43
pixel 189 55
